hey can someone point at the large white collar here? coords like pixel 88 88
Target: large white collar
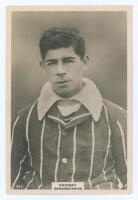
pixel 89 96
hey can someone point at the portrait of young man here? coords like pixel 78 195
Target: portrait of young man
pixel 70 133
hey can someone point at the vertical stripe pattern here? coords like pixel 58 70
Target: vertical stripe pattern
pixel 123 140
pixel 120 184
pixel 27 128
pixel 98 187
pixel 111 185
pixel 41 152
pixel 19 171
pixel 14 127
pixel 74 154
pixel 58 152
pixel 92 154
pixel 30 180
pixel 108 144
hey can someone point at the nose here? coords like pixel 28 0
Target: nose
pixel 60 69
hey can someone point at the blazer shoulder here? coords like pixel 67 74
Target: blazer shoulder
pixel 25 110
pixel 115 110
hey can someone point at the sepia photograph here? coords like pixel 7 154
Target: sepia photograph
pixel 69 100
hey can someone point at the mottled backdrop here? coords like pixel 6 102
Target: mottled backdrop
pixel 106 41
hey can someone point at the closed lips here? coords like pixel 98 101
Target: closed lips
pixel 59 82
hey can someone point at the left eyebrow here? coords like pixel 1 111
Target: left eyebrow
pixel 69 58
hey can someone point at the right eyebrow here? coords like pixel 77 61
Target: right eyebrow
pixel 48 61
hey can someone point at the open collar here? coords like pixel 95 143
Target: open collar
pixel 89 96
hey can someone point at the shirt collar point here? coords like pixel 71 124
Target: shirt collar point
pixel 97 117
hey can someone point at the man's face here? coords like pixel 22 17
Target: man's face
pixel 64 69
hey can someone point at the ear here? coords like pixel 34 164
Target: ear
pixel 85 60
pixel 41 64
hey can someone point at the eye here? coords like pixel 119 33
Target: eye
pixel 68 61
pixel 52 62
pixel 48 64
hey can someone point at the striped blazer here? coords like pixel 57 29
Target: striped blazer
pixel 78 149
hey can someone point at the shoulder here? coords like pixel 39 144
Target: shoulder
pixel 116 112
pixel 27 110
pixel 23 117
pixel 117 117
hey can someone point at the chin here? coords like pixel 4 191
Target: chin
pixel 64 94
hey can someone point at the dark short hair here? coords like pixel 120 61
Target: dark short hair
pixel 55 38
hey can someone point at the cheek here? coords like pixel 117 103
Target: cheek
pixel 50 74
pixel 78 72
pixel 75 70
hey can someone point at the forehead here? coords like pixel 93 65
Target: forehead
pixel 61 53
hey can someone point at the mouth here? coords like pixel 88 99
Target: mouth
pixel 62 82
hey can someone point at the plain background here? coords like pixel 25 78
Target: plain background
pixel 3 4
pixel 106 44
